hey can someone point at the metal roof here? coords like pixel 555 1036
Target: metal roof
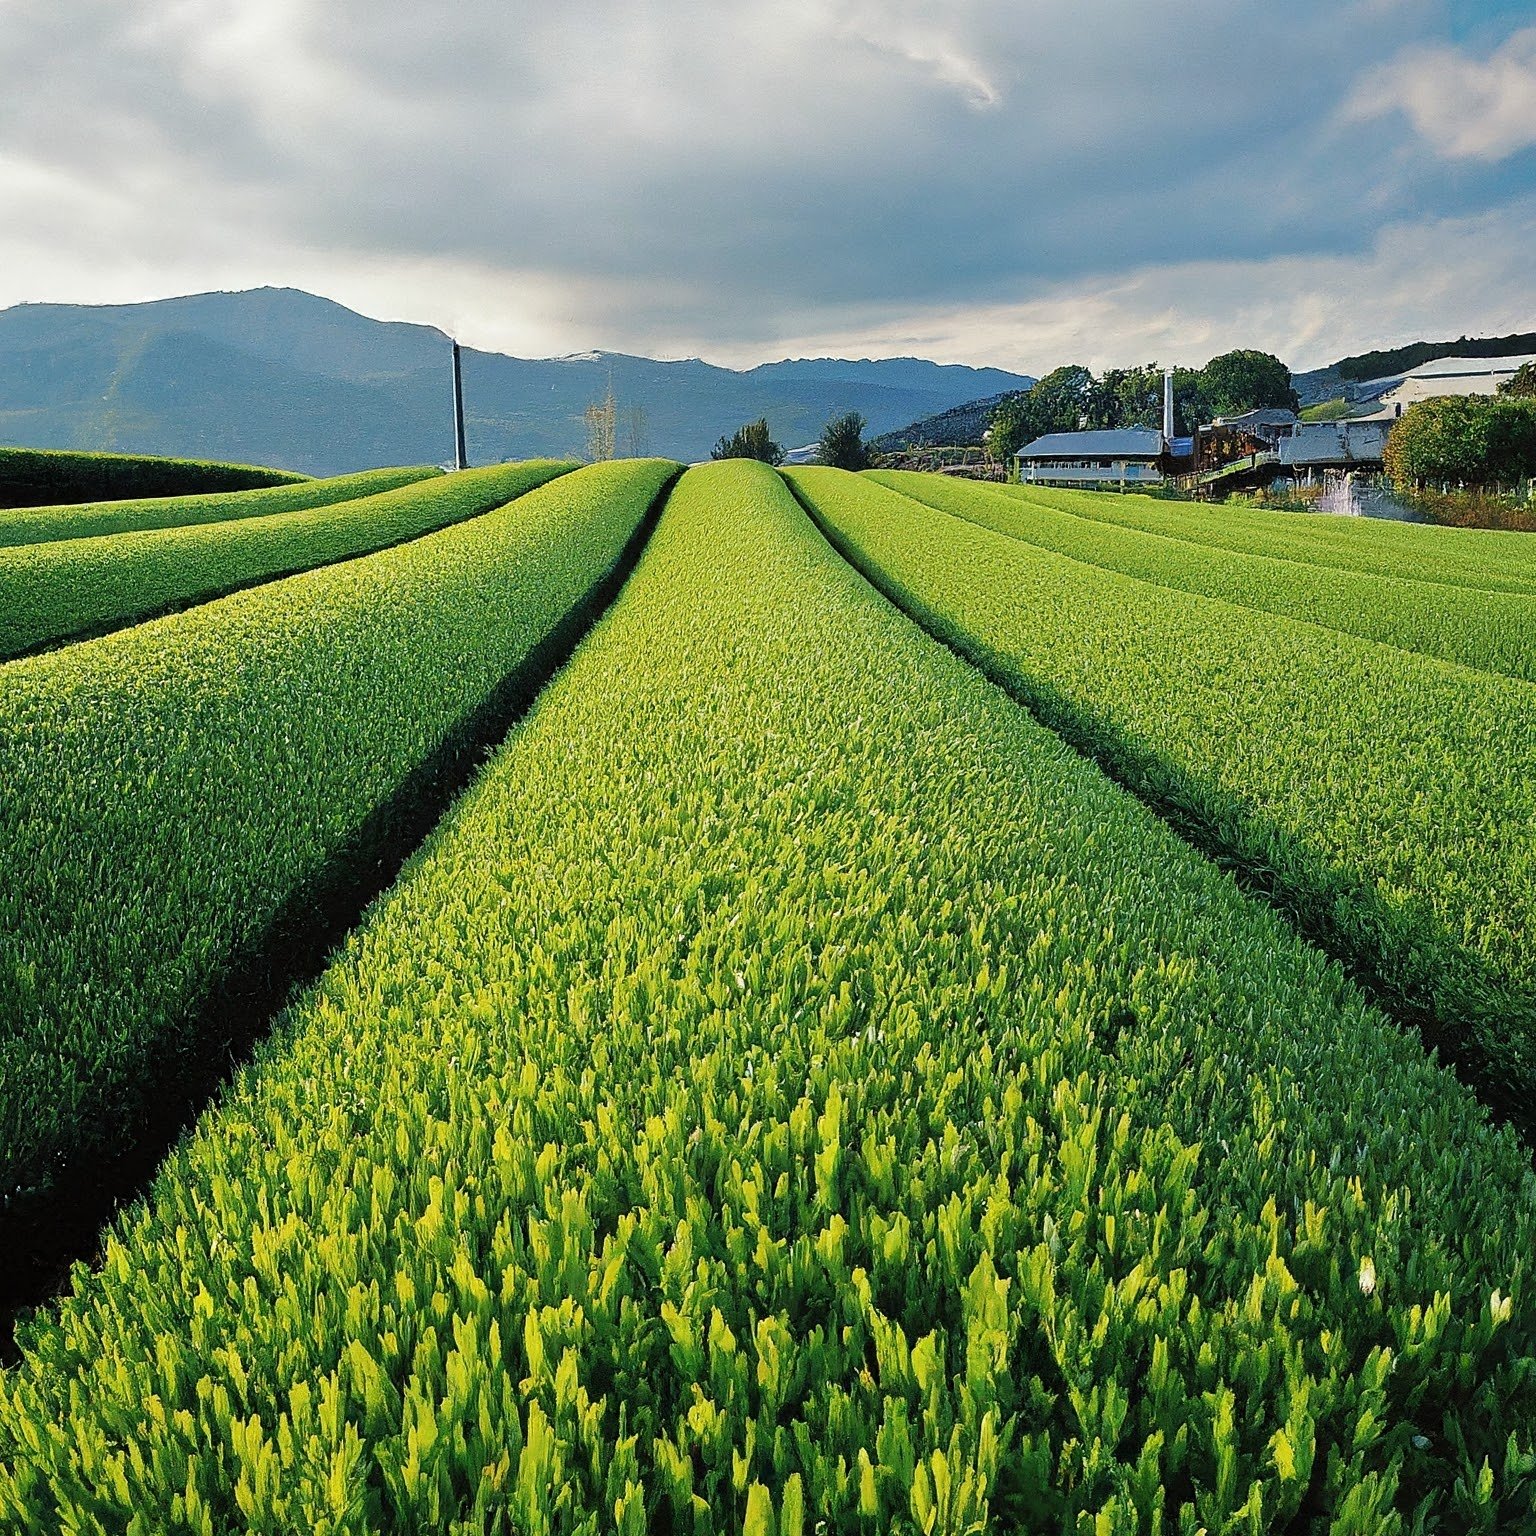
pixel 1334 442
pixel 1266 416
pixel 1129 443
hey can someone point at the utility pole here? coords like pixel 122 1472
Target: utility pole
pixel 460 457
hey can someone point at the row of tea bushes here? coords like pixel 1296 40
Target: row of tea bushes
pixel 1493 631
pixel 1485 560
pixel 41 525
pixel 42 477
pixel 1385 800
pixel 54 592
pixel 173 795
pixel 792 1093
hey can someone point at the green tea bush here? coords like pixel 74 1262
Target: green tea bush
pixel 38 525
pixel 1386 801
pixel 792 1093
pixel 1493 631
pixel 42 477
pixel 1488 561
pixel 55 592
pixel 170 793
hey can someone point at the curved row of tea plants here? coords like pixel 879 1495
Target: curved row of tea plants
pixel 41 477
pixel 50 593
pixel 40 525
pixel 1465 557
pixel 793 1093
pixel 1386 800
pixel 171 794
pixel 1493 631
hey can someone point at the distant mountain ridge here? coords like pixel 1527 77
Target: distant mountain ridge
pixel 283 377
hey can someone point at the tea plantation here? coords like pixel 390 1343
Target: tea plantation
pixel 726 1001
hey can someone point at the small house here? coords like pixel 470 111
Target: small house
pixel 1268 424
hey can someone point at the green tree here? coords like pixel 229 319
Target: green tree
pixel 1060 402
pixel 753 441
pixel 842 443
pixel 1521 384
pixel 1474 439
pixel 1008 429
pixel 1246 381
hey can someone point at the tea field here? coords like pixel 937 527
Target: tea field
pixel 646 1000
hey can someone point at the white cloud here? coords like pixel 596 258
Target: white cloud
pixel 1466 108
pixel 924 37
pixel 978 177
pixel 1419 280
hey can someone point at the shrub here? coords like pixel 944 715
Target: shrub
pixel 842 443
pixel 753 441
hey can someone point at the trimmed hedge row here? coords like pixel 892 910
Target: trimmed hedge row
pixel 51 593
pixel 1493 631
pixel 40 525
pixel 174 795
pixel 44 477
pixel 1465 557
pixel 1386 801
pixel 793 1093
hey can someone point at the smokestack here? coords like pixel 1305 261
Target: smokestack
pixel 1168 404
pixel 460 457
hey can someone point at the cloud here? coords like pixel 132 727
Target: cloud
pixel 1466 108
pixel 704 175
pixel 930 42
pixel 1419 280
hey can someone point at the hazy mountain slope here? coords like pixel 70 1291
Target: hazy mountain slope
pixel 961 426
pixel 283 377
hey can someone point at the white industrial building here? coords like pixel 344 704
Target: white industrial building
pixel 1430 381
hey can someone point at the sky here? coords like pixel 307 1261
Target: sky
pixel 1019 183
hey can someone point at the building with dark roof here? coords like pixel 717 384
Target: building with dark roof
pixel 1269 423
pixel 1132 456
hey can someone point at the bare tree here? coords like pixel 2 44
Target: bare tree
pixel 602 427
pixel 634 431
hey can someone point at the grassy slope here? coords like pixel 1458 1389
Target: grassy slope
pixel 776 1096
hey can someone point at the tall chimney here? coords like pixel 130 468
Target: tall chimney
pixel 1168 404
pixel 460 457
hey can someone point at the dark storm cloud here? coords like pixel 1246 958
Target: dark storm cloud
pixel 740 171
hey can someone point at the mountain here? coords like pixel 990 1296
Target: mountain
pixel 282 377
pixel 961 426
